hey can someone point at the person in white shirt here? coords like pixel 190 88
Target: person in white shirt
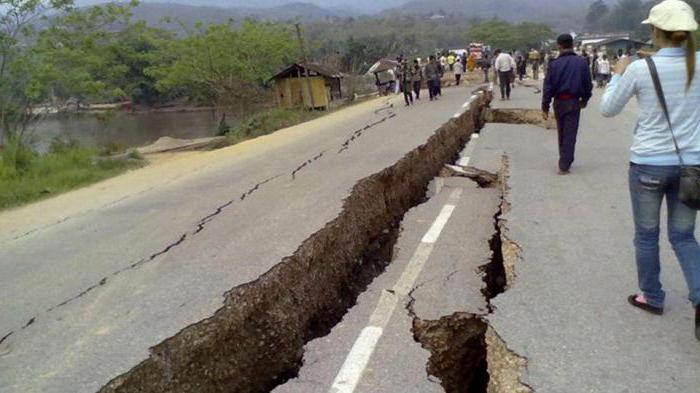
pixel 603 68
pixel 458 70
pixel 505 66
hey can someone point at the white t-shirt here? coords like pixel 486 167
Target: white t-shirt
pixel 458 67
pixel 603 67
pixel 505 62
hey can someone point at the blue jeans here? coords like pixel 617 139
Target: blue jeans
pixel 649 185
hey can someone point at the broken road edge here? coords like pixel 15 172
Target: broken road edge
pixel 256 340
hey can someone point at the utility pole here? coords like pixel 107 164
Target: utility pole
pixel 306 63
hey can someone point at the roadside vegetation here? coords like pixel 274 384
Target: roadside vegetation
pixel 26 176
pixel 57 57
pixel 267 122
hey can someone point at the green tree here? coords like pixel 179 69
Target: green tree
pixel 99 55
pixel 226 65
pixel 504 35
pixel 18 92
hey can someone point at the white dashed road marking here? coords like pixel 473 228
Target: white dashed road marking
pixel 361 352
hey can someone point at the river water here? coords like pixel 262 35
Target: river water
pixel 123 129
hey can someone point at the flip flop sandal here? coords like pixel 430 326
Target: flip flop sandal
pixel 632 299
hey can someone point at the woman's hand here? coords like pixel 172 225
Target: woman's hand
pixel 622 65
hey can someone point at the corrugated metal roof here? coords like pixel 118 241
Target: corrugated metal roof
pixel 315 69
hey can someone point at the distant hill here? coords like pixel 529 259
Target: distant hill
pixel 171 15
pixel 561 14
pixel 355 7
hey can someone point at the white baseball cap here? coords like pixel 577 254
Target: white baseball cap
pixel 672 15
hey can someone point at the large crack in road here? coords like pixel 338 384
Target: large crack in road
pixel 256 341
pixel 198 227
pixel 467 355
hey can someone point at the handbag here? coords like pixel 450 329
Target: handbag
pixel 689 189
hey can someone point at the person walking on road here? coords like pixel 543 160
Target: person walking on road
pixel 441 73
pixel 417 78
pixel 661 139
pixel 407 82
pixel 486 66
pixel 505 67
pixel 521 65
pixel 471 63
pixel 534 58
pixel 432 75
pixel 458 71
pixel 568 83
pixel 604 71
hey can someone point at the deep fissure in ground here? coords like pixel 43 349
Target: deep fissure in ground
pixel 519 116
pixel 457 342
pixel 256 340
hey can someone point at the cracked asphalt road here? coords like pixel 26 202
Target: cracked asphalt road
pixel 447 283
pixel 106 272
pixel 567 311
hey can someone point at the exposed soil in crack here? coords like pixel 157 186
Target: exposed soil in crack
pixel 483 178
pixel 256 341
pixel 457 344
pixel 520 116
pixel 494 272
pixel 504 366
pixel 467 355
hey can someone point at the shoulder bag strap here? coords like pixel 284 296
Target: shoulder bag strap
pixel 662 102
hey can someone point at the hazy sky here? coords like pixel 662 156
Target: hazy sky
pixel 356 5
pixel 361 6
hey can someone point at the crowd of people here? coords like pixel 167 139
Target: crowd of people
pixel 409 76
pixel 511 65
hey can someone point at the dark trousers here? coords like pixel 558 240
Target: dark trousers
pixel 407 93
pixel 567 114
pixel 504 81
pixel 432 89
pixel 486 75
pixel 458 78
pixel 416 89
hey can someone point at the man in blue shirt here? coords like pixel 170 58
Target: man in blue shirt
pixel 569 84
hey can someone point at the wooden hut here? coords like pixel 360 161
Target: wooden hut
pixel 292 86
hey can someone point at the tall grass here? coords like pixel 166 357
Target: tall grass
pixel 26 176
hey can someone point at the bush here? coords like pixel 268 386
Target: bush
pixel 269 121
pixel 17 157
